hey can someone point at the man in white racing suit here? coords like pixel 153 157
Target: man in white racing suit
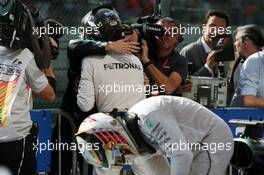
pixel 196 141
pixel 188 139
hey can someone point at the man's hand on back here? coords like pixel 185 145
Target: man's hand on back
pixel 123 46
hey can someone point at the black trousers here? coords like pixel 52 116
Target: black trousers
pixel 19 156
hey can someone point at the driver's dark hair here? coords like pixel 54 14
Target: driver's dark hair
pixel 216 13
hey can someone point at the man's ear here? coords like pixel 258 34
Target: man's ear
pixel 245 40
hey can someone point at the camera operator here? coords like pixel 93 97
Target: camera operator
pixel 164 66
pixel 45 47
pixel 200 53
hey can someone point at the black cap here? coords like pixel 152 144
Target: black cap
pixel 107 20
pixel 105 16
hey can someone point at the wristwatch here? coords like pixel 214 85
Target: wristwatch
pixel 148 63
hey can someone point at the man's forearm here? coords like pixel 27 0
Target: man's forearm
pixel 160 79
pixel 51 77
pixel 83 48
pixel 253 101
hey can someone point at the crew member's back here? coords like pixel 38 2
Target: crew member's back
pixel 113 81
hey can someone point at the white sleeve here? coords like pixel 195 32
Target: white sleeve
pixel 35 78
pixel 86 95
pixel 250 77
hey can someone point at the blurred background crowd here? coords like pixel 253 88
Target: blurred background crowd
pixel 191 12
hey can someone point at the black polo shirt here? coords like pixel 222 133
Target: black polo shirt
pixel 174 62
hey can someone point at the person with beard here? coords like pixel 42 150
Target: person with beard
pixel 200 53
pixel 164 66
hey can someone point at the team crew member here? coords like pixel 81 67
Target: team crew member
pixel 19 76
pixel 16 138
pixel 195 140
pixel 113 81
pixel 88 45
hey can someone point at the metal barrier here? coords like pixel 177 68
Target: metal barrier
pixel 248 157
pixel 43 119
pixel 239 113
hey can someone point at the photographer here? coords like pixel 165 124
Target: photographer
pixel 164 66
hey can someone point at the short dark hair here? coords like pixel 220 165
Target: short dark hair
pixel 169 20
pixel 216 13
